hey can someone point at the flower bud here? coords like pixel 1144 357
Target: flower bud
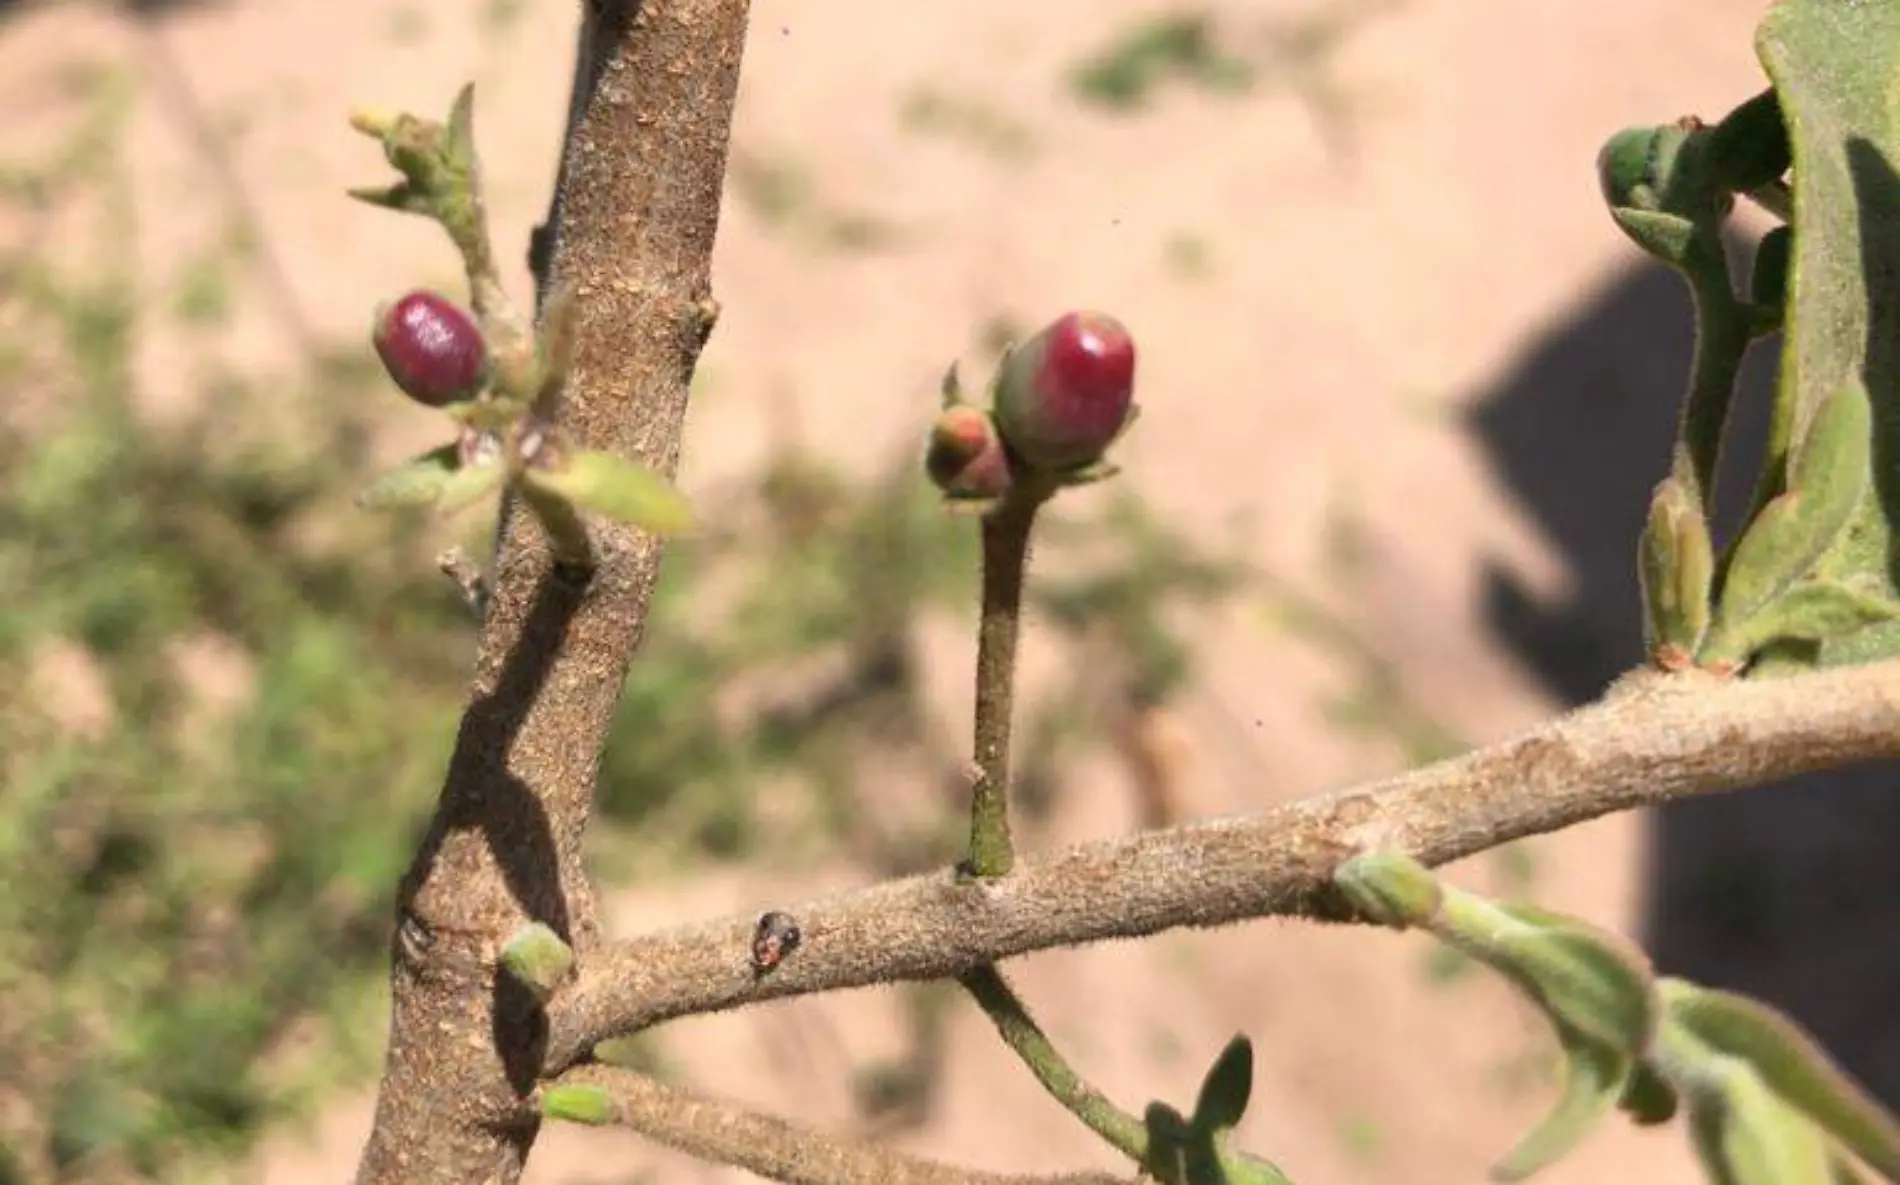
pixel 1636 165
pixel 1064 395
pixel 966 458
pixel 432 349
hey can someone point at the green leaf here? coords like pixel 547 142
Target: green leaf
pixel 1791 534
pixel 1746 1136
pixel 1588 979
pixel 471 484
pixel 603 484
pixel 1227 1087
pixel 1833 65
pixel 419 481
pixel 1669 237
pixel 1817 611
pixel 403 196
pixel 578 1102
pixel 1595 1077
pixel 458 140
pixel 1792 1063
pixel 1749 148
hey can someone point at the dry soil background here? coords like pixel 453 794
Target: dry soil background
pixel 1326 271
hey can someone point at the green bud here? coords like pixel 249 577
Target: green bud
pixel 1648 1098
pixel 1391 889
pixel 1636 166
pixel 578 1102
pixel 1676 570
pixel 538 959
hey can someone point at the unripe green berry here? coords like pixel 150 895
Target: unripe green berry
pixel 1063 396
pixel 965 457
pixel 432 349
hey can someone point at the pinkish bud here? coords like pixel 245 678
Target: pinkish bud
pixel 966 457
pixel 431 348
pixel 1066 393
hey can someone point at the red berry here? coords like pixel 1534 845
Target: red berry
pixel 431 348
pixel 966 457
pixel 1066 393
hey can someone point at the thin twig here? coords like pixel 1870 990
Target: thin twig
pixel 1653 739
pixel 1020 1032
pixel 775 1148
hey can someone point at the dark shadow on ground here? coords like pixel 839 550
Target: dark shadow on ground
pixel 1790 892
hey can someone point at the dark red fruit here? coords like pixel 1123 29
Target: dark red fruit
pixel 431 348
pixel 966 457
pixel 1066 393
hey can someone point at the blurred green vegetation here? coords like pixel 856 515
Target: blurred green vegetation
pixel 226 699
pixel 1184 46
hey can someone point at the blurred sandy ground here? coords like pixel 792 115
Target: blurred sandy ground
pixel 1326 273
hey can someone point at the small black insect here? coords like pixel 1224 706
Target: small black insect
pixel 776 937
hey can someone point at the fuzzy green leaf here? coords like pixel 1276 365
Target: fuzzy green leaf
pixel 419 481
pixel 458 138
pixel 471 484
pixel 1669 237
pixel 1746 1136
pixel 1833 65
pixel 1793 1064
pixel 1749 148
pixel 603 484
pixel 1587 979
pixel 1791 533
pixel 403 196
pixel 1227 1087
pixel 1817 611
pixel 1595 1077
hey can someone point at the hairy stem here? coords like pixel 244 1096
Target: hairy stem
pixel 773 1148
pixel 1020 1032
pixel 1655 738
pixel 1005 561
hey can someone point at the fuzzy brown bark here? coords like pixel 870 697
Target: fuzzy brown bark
pixel 1655 738
pixel 643 171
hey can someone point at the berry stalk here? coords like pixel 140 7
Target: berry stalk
pixel 1005 559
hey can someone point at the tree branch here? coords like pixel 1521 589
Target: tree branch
pixel 1652 739
pixel 773 1148
pixel 644 164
